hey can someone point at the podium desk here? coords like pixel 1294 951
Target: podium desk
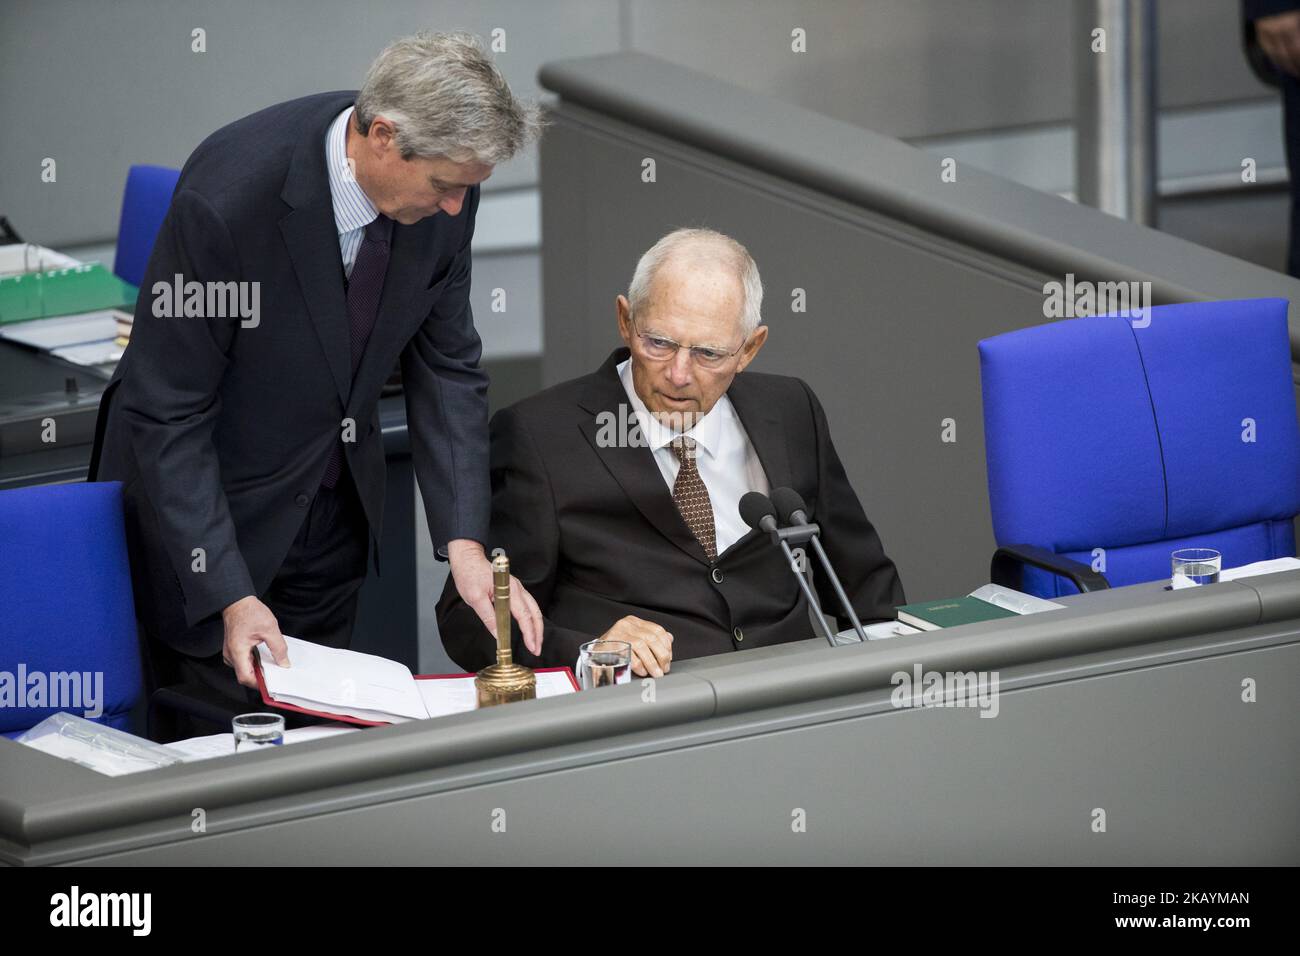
pixel 1135 726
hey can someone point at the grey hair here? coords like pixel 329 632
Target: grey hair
pixel 701 245
pixel 447 99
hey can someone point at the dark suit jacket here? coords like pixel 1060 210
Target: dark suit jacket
pixel 221 433
pixel 594 535
pixel 1252 10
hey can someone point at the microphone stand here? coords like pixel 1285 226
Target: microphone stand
pixel 800 534
pixel 835 584
pixel 788 502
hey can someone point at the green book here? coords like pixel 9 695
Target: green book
pixel 933 615
pixel 85 288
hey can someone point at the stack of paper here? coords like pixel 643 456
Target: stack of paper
pixel 88 338
pixel 223 745
pixel 1260 567
pixel 365 689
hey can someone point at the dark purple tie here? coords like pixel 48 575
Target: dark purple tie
pixel 364 286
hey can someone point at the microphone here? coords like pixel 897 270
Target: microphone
pixel 758 512
pixel 788 503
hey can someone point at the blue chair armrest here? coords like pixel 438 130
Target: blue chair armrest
pixel 1009 560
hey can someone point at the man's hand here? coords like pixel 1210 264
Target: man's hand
pixel 472 572
pixel 652 646
pixel 1279 38
pixel 249 622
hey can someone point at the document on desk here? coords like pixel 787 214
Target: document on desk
pixel 65 331
pixel 445 694
pixel 370 690
pixel 1260 567
pixel 91 338
pixel 223 745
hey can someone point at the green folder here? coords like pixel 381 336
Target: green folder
pixel 933 615
pixel 85 288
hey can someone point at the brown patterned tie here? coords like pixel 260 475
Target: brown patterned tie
pixel 692 497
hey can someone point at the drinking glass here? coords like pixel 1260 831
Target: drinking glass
pixel 255 731
pixel 604 663
pixel 1195 566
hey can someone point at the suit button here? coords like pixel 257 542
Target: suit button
pixel 738 634
pixel 302 501
pixel 717 575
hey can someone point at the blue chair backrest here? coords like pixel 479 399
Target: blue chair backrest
pixel 144 206
pixel 66 606
pixel 1103 434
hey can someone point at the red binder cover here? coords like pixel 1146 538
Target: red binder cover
pixel 266 697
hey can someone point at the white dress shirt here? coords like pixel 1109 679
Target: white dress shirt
pixel 353 210
pixel 724 456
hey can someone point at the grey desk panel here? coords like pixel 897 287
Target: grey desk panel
pixel 1109 622
pixel 1204 783
pixel 1152 730
pixel 37 807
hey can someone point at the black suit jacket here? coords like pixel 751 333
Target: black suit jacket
pixel 594 535
pixel 1252 10
pixel 221 433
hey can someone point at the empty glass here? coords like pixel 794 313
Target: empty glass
pixel 1195 566
pixel 255 731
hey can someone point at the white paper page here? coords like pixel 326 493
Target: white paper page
pixel 1011 600
pixel 1260 567
pixel 203 748
pixel 223 745
pixel 448 695
pixel 64 330
pixel 81 752
pixel 342 682
pixel 302 735
pixel 553 684
pixel 456 695
pixel 90 353
pixel 883 630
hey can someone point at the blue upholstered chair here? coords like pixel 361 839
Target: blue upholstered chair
pixel 65 597
pixel 144 206
pixel 1138 441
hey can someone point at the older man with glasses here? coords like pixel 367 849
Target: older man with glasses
pixel 616 495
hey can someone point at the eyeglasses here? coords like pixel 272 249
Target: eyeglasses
pixel 661 348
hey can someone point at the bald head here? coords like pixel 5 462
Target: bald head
pixel 691 321
pixel 710 260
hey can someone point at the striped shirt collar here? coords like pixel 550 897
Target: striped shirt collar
pixel 352 207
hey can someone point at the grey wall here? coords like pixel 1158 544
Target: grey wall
pixel 99 86
pixel 922 67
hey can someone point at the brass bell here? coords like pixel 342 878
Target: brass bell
pixel 504 681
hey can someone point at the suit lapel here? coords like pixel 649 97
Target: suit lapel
pixel 313 241
pixel 632 466
pixel 765 429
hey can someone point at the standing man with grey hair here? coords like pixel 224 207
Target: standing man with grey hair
pixel 617 494
pixel 248 444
